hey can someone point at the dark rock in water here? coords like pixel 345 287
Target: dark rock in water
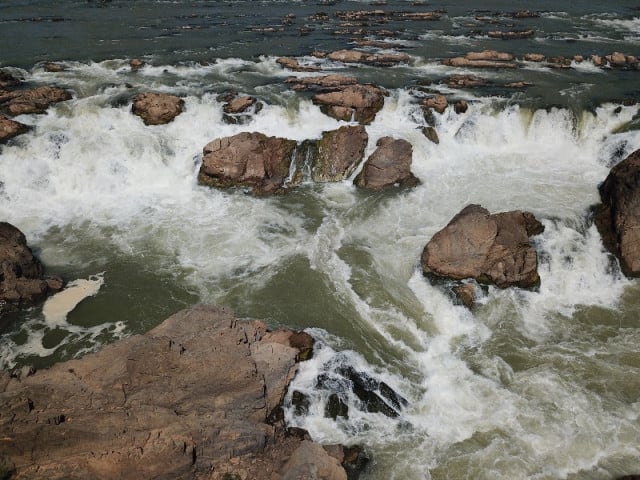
pixel 431 134
pixel 300 402
pixel 34 100
pixel 461 106
pixel 336 407
pixel 247 159
pixel 618 217
pixel 10 129
pixel 157 108
pixel 377 59
pixel 388 165
pixel 534 57
pixel 512 35
pixel 465 81
pixel 303 342
pixel 293 64
pixel 465 293
pixel 52 67
pixel 136 64
pixel 22 279
pixel 354 102
pixel 7 80
pixel 365 388
pixel 227 96
pixel 338 153
pixel 354 461
pixel 490 248
pixel 190 397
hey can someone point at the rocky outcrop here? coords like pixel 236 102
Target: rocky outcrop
pixel 7 80
pixel 534 57
pixel 247 160
pixel 333 81
pixel 490 248
pixel 53 67
pixel 157 108
pixel 438 103
pixel 465 81
pixel 293 64
pixel 377 59
pixel 483 59
pixel 618 217
pixel 338 153
pixel 10 129
pixel 354 102
pixel 22 279
pixel 190 399
pixel 34 100
pixel 388 165
pixel 511 34
pixel 239 104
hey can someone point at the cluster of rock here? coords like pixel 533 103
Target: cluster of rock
pixel 198 396
pixel 22 279
pixel 157 108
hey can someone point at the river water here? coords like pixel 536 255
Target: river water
pixel 540 384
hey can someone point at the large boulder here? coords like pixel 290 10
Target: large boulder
pixel 618 217
pixel 157 108
pixel 377 59
pixel 190 399
pixel 354 102
pixel 247 159
pixel 338 153
pixel 22 279
pixel 388 165
pixel 33 100
pixel 490 248
pixel 10 129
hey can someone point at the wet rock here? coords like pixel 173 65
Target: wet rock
pixel 525 14
pixel 492 55
pixel 293 64
pixel 431 134
pixel 247 159
pixel 465 293
pixel 157 108
pixel 518 85
pixel 559 62
pixel 490 248
pixel 465 81
pixel 618 217
pixel 300 402
pixel 239 104
pixel 22 279
pixel 53 67
pixel 578 58
pixel 366 388
pixel 534 57
pixel 34 100
pixel 438 103
pixel 512 35
pixel 388 165
pixel 311 461
pixel 227 96
pixel 136 64
pixel 620 60
pixel 7 80
pixel 461 106
pixel 303 342
pixel 335 407
pixel 598 61
pixel 338 153
pixel 321 82
pixel 467 63
pixel 354 102
pixel 10 129
pixel 426 16
pixel 152 406
pixel 377 59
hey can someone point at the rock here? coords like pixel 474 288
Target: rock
pixel 303 342
pixel 617 59
pixel 311 461
pixel 377 59
pixel 10 129
pixel 534 57
pixel 598 61
pixel 136 64
pixel 559 62
pixel 492 55
pixel 490 248
pixel 22 279
pixel 512 35
pixel 465 62
pixel 247 159
pixel 385 401
pixel 338 153
pixel 461 106
pixel 465 293
pixel 358 102
pixel 578 58
pixel 388 165
pixel 618 217
pixel 53 67
pixel 34 100
pixel 427 16
pixel 465 81
pixel 157 108
pixel 525 14
pixel 7 80
pixel 518 85
pixel 431 134
pixel 438 103
pixel 239 104
pixel 293 64
pixel 190 397
pixel 300 402
pixel 324 81
pixel 335 407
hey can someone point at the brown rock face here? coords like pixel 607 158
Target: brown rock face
pixel 618 217
pixel 534 57
pixel 360 102
pixel 324 81
pixel 22 276
pixel 10 129
pixel 35 100
pixel 489 55
pixel 247 159
pixel 189 398
pixel 438 102
pixel 339 153
pixel 157 108
pixel 239 104
pixel 489 248
pixel 466 81
pixel 388 165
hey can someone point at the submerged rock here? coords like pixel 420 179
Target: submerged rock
pixel 189 398
pixel 53 67
pixel 247 159
pixel 10 128
pixel 465 81
pixel 136 64
pixel 388 165
pixel 7 80
pixel 33 100
pixel 431 134
pixel 512 34
pixel 354 102
pixel 22 279
pixel 490 248
pixel 293 64
pixel 338 153
pixel 618 217
pixel 157 108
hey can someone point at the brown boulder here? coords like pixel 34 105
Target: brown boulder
pixel 293 64
pixel 247 159
pixel 190 397
pixel 358 102
pixel 465 293
pixel 10 129
pixel 534 57
pixel 239 104
pixel 618 217
pixel 53 67
pixel 7 80
pixel 34 100
pixel 311 457
pixel 490 248
pixel 493 55
pixel 22 277
pixel 388 165
pixel 157 108
pixel 465 62
pixel 438 103
pixel 136 64
pixel 465 81
pixel 378 59
pixel 324 81
pixel 338 153
pixel 461 106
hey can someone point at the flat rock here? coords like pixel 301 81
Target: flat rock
pixel 157 108
pixel 465 81
pixel 534 57
pixel 338 153
pixel 389 165
pixel 354 102
pixel 321 82
pixel 493 55
pixel 512 34
pixel 378 59
pixel 247 159
pixel 53 67
pixel 466 63
pixel 33 100
pixel 189 398
pixel 618 217
pixel 490 248
pixel 7 80
pixel 10 129
pixel 438 103
pixel 239 104
pixel 293 64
